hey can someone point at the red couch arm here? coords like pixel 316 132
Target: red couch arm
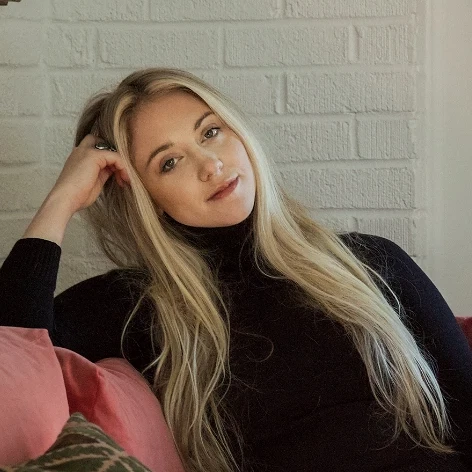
pixel 465 322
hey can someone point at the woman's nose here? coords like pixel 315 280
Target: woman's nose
pixel 209 166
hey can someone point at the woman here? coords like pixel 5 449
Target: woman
pixel 271 342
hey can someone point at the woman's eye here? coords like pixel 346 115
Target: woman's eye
pixel 169 164
pixel 212 132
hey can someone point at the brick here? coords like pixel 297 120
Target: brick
pixel 253 93
pixel 385 139
pixel 69 93
pixel 338 225
pixel 26 190
pixel 286 46
pixel 26 10
pixel 59 139
pixel 349 8
pixel 210 10
pixel 73 270
pixel 353 188
pixel 10 231
pixel 392 44
pixel 78 240
pixel 22 93
pixel 22 43
pixel 400 230
pixel 70 46
pixel 105 10
pixel 22 142
pixel 307 142
pixel 350 92
pixel 189 48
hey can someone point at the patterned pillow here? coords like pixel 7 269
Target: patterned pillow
pixel 81 446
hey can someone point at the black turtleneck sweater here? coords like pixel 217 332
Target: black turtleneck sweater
pixel 299 392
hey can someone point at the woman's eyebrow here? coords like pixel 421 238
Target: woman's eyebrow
pixel 166 146
pixel 199 121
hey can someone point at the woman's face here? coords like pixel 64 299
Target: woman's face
pixel 194 166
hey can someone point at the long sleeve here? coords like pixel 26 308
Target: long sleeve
pixel 434 327
pixel 27 283
pixel 87 318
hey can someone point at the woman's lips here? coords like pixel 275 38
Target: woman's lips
pixel 226 191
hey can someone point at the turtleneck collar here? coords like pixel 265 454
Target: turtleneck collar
pixel 223 245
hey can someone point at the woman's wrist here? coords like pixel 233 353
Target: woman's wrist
pixel 51 220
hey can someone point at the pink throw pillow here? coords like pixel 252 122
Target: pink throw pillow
pixel 33 402
pixel 113 395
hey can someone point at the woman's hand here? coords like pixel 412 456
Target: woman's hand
pixel 85 172
pixel 79 184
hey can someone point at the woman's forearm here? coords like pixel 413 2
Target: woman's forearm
pixel 50 222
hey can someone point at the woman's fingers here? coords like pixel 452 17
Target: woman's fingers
pixel 113 160
pixel 85 172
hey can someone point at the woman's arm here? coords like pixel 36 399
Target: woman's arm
pixel 51 220
pixel 87 318
pixel 27 284
pixel 28 275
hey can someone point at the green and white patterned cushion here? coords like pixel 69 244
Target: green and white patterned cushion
pixel 81 447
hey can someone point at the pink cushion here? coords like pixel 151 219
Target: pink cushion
pixel 113 395
pixel 33 402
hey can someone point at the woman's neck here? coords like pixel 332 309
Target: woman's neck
pixel 222 244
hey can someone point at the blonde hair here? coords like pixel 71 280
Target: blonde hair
pixel 188 327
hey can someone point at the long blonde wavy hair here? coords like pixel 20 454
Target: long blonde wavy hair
pixel 189 328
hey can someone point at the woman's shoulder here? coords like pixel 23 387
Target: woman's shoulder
pixel 371 245
pixel 396 267
pixel 115 285
pixel 377 251
pixel 368 242
pixel 90 315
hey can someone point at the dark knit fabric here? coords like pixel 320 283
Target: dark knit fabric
pixel 299 391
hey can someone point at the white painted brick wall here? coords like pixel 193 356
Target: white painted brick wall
pixel 349 8
pixel 188 47
pixel 350 92
pixel 21 141
pixel 59 136
pixel 256 93
pixel 34 11
pixel 104 10
pixel 355 188
pixel 14 83
pixel 76 46
pixel 333 86
pixel 23 190
pixel 214 10
pixel 385 139
pixel 21 46
pixel 286 46
pixel 307 142
pixel 392 44
pixel 70 90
